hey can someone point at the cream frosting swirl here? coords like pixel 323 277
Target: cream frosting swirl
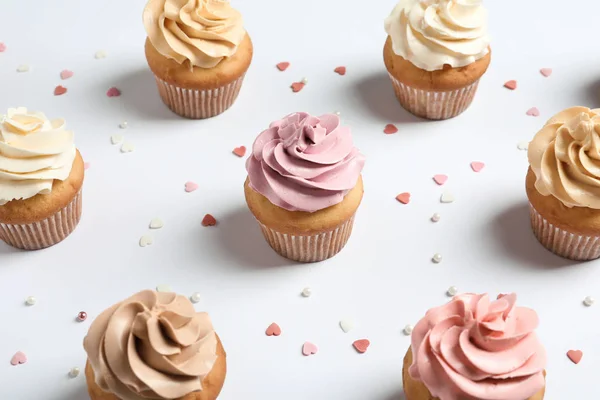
pixel 34 151
pixel 305 163
pixel 202 32
pixel 433 33
pixel 474 348
pixel 565 157
pixel 153 345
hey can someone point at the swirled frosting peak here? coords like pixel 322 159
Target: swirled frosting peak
pixel 305 163
pixel 565 157
pixel 34 151
pixel 475 348
pixel 202 32
pixel 433 33
pixel 153 345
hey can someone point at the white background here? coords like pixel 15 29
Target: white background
pixel 383 279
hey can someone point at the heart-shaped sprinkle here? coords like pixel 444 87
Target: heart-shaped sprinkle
pixel 403 198
pixel 156 223
pixel 308 349
pixel 86 165
pixel 240 151
pixel 575 356
pixel 60 90
pixel 389 129
pixel 440 179
pixel 146 240
pixel 512 85
pixel 533 112
pixel 340 70
pixel 297 86
pixel 100 54
pixel 546 72
pixel 273 330
pixel 23 68
pixel 115 139
pixel 190 186
pixel 523 145
pixel 127 147
pixel 74 372
pixel 347 325
pixel 2 47
pixel 164 288
pixel 66 74
pixel 282 66
pixel 209 220
pixel 447 197
pixel 113 92
pixel 477 166
pixel 361 345
pixel 18 358
pixel 195 297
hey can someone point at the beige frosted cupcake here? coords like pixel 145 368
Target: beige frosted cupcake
pixel 304 185
pixel 199 53
pixel 435 54
pixel 563 184
pixel 41 175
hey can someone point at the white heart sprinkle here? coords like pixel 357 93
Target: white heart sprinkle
pixel 195 297
pixel 524 145
pixel 100 54
pixel 23 68
pixel 408 329
pixel 156 223
pixel 435 217
pixel 164 288
pixel 452 290
pixel 127 147
pixel 447 197
pixel 30 301
pixel 347 325
pixel 146 240
pixel 123 125
pixel 306 292
pixel 74 372
pixel 114 139
pixel 589 301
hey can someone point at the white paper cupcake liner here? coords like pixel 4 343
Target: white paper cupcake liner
pixel 199 104
pixel 434 105
pixel 309 248
pixel 45 233
pixel 562 242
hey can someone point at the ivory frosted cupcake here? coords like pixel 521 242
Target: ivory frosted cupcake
pixel 154 345
pixel 563 184
pixel 41 175
pixel 199 53
pixel 435 54
pixel 474 348
pixel 304 185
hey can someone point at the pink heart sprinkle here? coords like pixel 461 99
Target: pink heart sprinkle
pixel 361 345
pixel 403 198
pixel 389 129
pixel 512 85
pixel 273 330
pixel 440 179
pixel 282 66
pixel 86 165
pixel 18 358
pixel 546 72
pixel 113 92
pixel 66 74
pixel 340 70
pixel 533 112
pixel 575 356
pixel 190 186
pixel 477 166
pixel 2 47
pixel 240 151
pixel 308 349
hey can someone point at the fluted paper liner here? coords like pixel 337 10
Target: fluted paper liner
pixel 45 233
pixel 434 105
pixel 309 248
pixel 562 242
pixel 199 104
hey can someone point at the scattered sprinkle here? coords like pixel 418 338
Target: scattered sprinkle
pixel 435 217
pixel 452 290
pixel 408 329
pixel 437 258
pixel 127 147
pixel 440 179
pixel 190 186
pixel 23 68
pixel 546 72
pixel 60 90
pixel 304 80
pixel 86 165
pixel 2 47
pixel 146 240
pixel 30 300
pixel 447 197
pixel 361 345
pixel 282 66
pixel 297 86
pixel 533 112
pixel 195 297
pixel 524 145
pixel 306 292
pixel 66 74
pixel 340 70
pixel 209 220
pixel 74 372
pixel 589 301
pixel 113 92
pixel 512 85
pixel 123 125
pixel 347 325
pixel 403 198
pixel 337 113
pixel 308 349
pixel 240 151
pixel 389 129
pixel 574 355
pixel 116 139
pixel 81 316
pixel 100 54
pixel 477 166
pixel 18 358
pixel 164 288
pixel 273 330
pixel 156 223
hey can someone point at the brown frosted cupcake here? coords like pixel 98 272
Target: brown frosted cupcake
pixel 199 53
pixel 435 54
pixel 154 345
pixel 41 175
pixel 563 184
pixel 304 185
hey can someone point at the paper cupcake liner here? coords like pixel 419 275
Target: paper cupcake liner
pixel 199 104
pixel 309 248
pixel 562 242
pixel 45 233
pixel 434 105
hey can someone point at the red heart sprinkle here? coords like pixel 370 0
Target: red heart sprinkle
pixel 361 345
pixel 512 85
pixel 440 179
pixel 282 66
pixel 575 356
pixel 209 220
pixel 273 330
pixel 389 129
pixel 297 86
pixel 240 151
pixel 113 92
pixel 60 90
pixel 340 70
pixel 403 198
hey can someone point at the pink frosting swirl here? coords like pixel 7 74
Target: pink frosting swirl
pixel 305 163
pixel 477 349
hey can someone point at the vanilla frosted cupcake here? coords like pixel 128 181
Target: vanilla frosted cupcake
pixel 154 345
pixel 199 53
pixel 435 54
pixel 304 185
pixel 41 175
pixel 474 348
pixel 563 184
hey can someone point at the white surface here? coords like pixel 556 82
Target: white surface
pixel 384 279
